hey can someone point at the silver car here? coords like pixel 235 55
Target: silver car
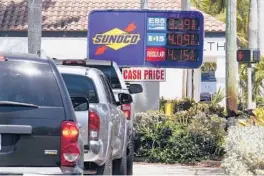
pixel 103 126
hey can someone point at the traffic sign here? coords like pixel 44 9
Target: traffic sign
pixel 244 55
pixel 256 55
pixel 147 38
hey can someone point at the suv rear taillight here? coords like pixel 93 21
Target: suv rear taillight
pixel 93 125
pixel 70 151
pixel 73 62
pixel 126 108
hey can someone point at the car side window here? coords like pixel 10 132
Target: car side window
pixel 109 93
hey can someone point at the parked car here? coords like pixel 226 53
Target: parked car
pixel 107 126
pixel 39 133
pixel 118 85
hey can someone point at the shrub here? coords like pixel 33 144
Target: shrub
pixel 189 105
pixel 183 105
pixel 256 118
pixel 244 151
pixel 164 139
pixel 162 103
pixel 208 133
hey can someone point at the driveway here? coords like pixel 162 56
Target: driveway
pixel 162 169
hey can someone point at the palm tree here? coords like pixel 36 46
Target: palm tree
pixel 217 8
pixel 211 7
pixel 261 26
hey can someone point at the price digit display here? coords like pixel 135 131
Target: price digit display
pixel 189 24
pixel 182 39
pixel 183 55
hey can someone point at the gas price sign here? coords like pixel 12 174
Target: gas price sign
pixel 179 43
pixel 168 39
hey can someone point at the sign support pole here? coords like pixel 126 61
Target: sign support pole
pixel 185 5
pixel 34 26
pixel 249 73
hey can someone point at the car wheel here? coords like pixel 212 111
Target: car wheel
pixel 107 168
pixel 120 165
pixel 130 157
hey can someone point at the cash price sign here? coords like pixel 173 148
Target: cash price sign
pixel 151 38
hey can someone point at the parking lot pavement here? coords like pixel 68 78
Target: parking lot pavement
pixel 162 169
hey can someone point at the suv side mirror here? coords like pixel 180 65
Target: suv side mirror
pixel 135 88
pixel 80 103
pixel 125 98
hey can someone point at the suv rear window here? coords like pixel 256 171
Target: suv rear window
pixel 110 74
pixel 78 84
pixel 29 82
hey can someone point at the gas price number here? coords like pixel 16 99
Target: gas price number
pixel 182 39
pixel 182 55
pixel 189 24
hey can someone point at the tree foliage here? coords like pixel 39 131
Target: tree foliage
pixel 217 9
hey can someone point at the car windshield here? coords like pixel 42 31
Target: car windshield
pixel 79 85
pixel 29 82
pixel 111 75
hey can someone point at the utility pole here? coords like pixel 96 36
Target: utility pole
pixel 144 4
pixel 34 25
pixel 185 5
pixel 231 74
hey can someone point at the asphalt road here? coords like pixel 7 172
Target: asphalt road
pixel 161 169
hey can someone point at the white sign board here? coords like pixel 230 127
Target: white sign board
pixel 209 87
pixel 144 74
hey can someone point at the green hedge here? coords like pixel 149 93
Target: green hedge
pixel 186 104
pixel 192 135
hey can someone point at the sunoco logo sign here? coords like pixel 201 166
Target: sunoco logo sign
pixel 116 39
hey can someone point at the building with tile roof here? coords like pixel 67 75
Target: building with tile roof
pixel 72 15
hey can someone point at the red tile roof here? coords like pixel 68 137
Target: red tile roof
pixel 71 15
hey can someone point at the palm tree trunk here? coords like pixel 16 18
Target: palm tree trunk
pixel 252 44
pixel 261 26
pixel 231 70
pixel 261 34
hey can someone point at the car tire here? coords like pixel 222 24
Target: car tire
pixel 107 168
pixel 130 157
pixel 120 165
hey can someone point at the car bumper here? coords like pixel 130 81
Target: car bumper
pixel 95 152
pixel 30 171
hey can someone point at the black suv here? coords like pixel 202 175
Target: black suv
pixel 38 128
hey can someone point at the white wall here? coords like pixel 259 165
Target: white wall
pixel 172 88
pixel 76 48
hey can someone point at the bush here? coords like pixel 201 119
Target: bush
pixel 183 105
pixel 189 105
pixel 162 103
pixel 170 140
pixel 255 118
pixel 244 151
pixel 208 132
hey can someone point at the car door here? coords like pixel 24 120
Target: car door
pixel 113 112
